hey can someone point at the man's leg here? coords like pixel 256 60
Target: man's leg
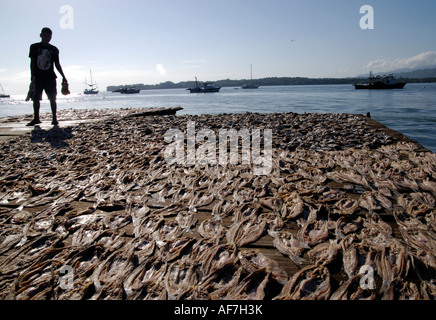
pixel 51 94
pixel 53 106
pixel 36 107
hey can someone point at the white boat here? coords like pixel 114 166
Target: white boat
pixel 3 94
pixel 91 88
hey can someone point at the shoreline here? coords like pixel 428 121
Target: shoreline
pixel 345 182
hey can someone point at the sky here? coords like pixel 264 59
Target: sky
pixel 147 41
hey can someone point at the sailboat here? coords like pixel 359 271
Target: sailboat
pixel 93 88
pixel 2 93
pixel 251 85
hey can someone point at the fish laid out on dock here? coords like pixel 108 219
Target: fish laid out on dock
pixel 98 199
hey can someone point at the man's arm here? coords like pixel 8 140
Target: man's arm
pixel 59 69
pixel 32 67
pixel 32 63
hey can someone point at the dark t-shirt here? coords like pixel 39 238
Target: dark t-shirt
pixel 43 56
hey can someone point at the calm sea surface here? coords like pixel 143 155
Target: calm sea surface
pixel 411 111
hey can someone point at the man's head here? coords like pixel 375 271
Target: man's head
pixel 46 34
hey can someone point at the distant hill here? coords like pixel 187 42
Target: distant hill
pixel 408 75
pixel 272 81
pixel 417 73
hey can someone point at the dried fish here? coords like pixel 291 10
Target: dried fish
pixel 289 246
pixel 324 253
pixel 402 290
pixel 118 213
pixel 332 195
pixel 428 290
pixel 346 206
pixel 357 255
pixel 180 277
pixel 212 228
pixel 313 232
pixel 168 231
pixel 352 290
pixel 310 283
pixel 144 279
pixel 143 248
pixel 252 287
pixel 37 282
pixel 349 176
pixel 246 231
pixel 293 207
pixel 218 257
pixel 148 225
pixel 186 220
pixel 243 195
pixel 246 210
pixel 346 225
pixel 201 199
pixel 174 248
pixel 254 260
pixel 427 185
pixel 199 250
pixel 218 284
pixel 224 208
pixel 392 263
pixel 273 204
pixel 31 252
pixel 115 268
pixel 369 202
pixel 84 261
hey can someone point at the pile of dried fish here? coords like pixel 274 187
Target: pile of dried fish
pixel 100 199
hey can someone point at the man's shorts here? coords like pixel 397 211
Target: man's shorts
pixel 47 85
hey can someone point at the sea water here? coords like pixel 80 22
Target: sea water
pixel 411 111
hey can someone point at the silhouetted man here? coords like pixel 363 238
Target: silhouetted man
pixel 43 57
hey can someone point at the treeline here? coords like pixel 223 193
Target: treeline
pixel 273 81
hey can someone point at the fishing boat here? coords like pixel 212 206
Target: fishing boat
pixel 207 87
pixel 250 85
pixel 3 94
pixel 91 88
pixel 380 83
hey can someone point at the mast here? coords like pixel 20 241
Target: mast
pixel 92 85
pixel 251 73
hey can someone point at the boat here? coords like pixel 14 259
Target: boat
pixel 3 94
pixel 128 90
pixel 250 85
pixel 380 83
pixel 207 87
pixel 93 88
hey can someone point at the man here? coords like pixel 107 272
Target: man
pixel 43 57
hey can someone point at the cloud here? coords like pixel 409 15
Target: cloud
pixel 161 69
pixel 195 64
pixel 424 59
pixel 194 61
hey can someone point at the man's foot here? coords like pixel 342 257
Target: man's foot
pixel 33 122
pixel 55 122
